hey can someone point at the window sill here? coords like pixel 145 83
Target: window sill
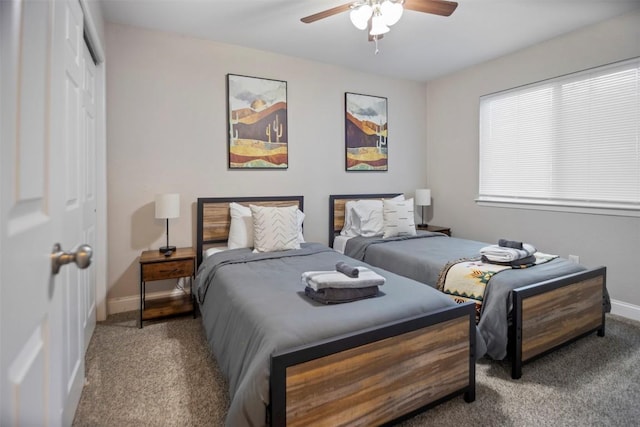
pixel 581 208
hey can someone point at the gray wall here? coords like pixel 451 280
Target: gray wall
pixel 452 156
pixel 166 132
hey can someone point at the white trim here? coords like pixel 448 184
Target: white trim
pixel 101 193
pixel 132 303
pixel 90 26
pixel 91 16
pixel 625 309
pixel 542 206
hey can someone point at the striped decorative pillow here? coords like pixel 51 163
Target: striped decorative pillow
pixel 275 228
pixel 398 218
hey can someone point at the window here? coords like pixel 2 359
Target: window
pixel 572 141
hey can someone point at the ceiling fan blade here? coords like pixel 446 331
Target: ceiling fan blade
pixel 326 13
pixel 436 7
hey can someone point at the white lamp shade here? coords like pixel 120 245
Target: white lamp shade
pixel 378 27
pixel 360 16
pixel 391 11
pixel 167 205
pixel 423 197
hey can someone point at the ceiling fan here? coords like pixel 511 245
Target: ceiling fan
pixel 378 15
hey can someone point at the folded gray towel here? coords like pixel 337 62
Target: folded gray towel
pixel 522 262
pixel 334 279
pixel 336 296
pixel 345 268
pixel 502 254
pixel 510 244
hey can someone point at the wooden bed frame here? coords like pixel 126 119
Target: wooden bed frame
pixel 545 315
pixel 369 377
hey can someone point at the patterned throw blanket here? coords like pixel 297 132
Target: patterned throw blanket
pixel 466 279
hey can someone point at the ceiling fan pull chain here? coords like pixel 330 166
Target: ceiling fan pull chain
pixel 375 39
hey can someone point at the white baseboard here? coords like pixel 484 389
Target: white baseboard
pixel 131 303
pixel 625 309
pixel 120 305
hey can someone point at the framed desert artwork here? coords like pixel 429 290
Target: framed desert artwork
pixel 366 145
pixel 257 117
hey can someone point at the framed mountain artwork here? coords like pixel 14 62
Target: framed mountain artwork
pixel 366 144
pixel 257 118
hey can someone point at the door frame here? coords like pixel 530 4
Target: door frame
pixel 97 42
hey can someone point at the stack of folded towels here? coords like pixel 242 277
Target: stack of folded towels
pixel 344 284
pixel 509 252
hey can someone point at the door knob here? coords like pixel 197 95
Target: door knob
pixel 81 255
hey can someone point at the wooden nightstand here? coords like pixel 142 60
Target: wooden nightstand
pixel 434 228
pixel 155 266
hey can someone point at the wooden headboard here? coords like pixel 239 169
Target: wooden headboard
pixel 336 209
pixel 214 217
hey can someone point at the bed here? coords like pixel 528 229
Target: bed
pixel 525 314
pixel 291 361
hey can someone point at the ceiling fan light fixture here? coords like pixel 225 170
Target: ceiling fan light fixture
pixel 378 26
pixel 378 15
pixel 360 16
pixel 391 11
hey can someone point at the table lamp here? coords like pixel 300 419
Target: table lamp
pixel 423 198
pixel 167 206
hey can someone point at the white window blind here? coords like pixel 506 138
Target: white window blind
pixel 569 141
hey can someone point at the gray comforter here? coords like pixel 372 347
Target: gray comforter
pixel 254 304
pixel 422 257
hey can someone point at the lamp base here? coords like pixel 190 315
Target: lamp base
pixel 167 249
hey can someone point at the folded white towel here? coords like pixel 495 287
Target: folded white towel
pixel 317 280
pixel 503 254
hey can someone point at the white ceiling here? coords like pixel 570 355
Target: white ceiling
pixel 420 47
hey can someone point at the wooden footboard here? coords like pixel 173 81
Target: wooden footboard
pixel 555 312
pixel 377 375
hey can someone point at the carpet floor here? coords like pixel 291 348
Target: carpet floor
pixel 164 375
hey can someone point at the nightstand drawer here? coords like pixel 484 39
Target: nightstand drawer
pixel 167 270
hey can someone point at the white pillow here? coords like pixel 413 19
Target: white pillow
pixel 241 228
pixel 368 216
pixel 300 217
pixel 398 218
pixel 214 250
pixel 349 229
pixel 275 228
pixel 352 221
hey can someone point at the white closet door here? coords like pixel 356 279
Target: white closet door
pixel 43 167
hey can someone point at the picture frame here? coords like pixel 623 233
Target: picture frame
pixel 366 133
pixel 257 123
